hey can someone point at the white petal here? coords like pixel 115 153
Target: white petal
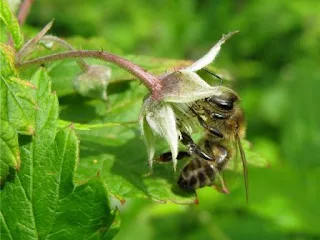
pixel 186 122
pixel 148 138
pixel 161 119
pixel 211 55
pixel 186 86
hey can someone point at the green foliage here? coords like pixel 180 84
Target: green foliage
pixel 38 196
pixel 115 151
pixel 41 196
pixel 275 62
pixel 11 23
pixel 10 154
pixel 16 103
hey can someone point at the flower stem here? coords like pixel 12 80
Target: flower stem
pixel 24 11
pixel 82 64
pixel 149 80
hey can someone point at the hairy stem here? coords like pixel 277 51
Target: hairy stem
pixel 83 65
pixel 30 45
pixel 24 11
pixel 150 81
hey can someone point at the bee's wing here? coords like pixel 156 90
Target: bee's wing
pixel 244 165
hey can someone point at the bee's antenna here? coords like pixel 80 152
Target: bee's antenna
pixel 244 165
pixel 213 74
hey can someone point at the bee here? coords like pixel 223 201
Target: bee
pixel 223 120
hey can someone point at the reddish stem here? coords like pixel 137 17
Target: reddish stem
pixel 24 11
pixel 150 81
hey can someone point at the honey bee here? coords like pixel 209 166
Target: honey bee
pixel 223 120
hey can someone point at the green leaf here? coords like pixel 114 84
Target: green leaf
pixel 9 148
pixel 79 126
pixel 253 158
pixel 63 74
pixel 41 200
pixel 7 60
pixel 12 24
pixel 119 156
pixel 17 103
pixel 16 95
pixel 115 226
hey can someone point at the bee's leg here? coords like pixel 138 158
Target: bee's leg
pixel 220 153
pixel 194 148
pixel 167 157
pixel 223 188
pixel 203 123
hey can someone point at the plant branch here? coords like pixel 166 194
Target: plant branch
pixel 83 65
pixel 30 45
pixel 24 11
pixel 149 80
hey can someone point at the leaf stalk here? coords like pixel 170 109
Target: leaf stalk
pixel 150 81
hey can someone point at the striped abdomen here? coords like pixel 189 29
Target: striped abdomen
pixel 200 172
pixel 196 174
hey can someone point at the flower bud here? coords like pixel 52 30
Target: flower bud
pixel 93 82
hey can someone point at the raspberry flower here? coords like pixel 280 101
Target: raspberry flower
pixel 165 112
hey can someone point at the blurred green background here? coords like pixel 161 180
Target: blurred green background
pixel 275 60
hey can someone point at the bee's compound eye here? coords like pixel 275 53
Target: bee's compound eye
pixel 224 104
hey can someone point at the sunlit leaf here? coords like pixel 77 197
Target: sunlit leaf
pixel 11 22
pixel 115 226
pixel 7 60
pixel 253 158
pixel 10 154
pixel 17 103
pixel 41 200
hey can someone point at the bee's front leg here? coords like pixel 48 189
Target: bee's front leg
pixel 203 123
pixel 194 148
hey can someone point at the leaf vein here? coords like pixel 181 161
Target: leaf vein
pixel 48 117
pixel 6 226
pixel 14 97
pixel 30 201
pixel 11 149
pixel 32 181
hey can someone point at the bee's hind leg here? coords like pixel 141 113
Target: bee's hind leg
pixel 167 156
pixel 222 186
pixel 192 149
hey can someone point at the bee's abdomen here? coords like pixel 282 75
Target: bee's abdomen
pixel 196 174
